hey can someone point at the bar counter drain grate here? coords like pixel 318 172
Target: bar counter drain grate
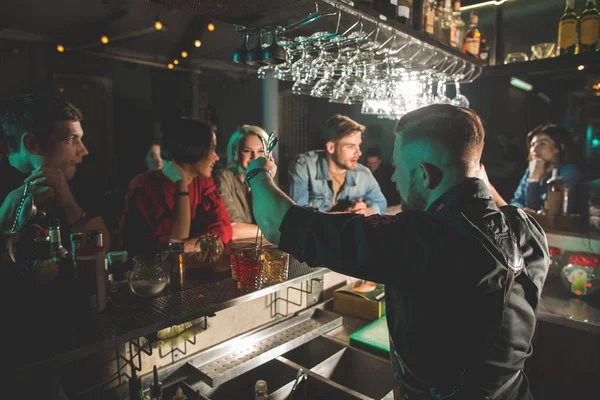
pixel 223 363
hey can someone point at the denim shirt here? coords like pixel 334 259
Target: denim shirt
pixel 310 184
pixel 532 194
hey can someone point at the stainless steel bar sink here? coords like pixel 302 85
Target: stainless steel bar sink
pixel 358 370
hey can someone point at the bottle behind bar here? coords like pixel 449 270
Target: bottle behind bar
pixel 473 37
pixel 91 270
pixel 428 24
pixel 567 30
pixel 385 7
pixel 458 25
pixel 589 28
pixel 484 51
pixel 437 22
pixel 446 23
pixel 554 194
pixel 403 11
pixel 55 239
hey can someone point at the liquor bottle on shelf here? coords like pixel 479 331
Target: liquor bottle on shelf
pixel 428 23
pixel 567 30
pixel 473 37
pixel 388 8
pixel 459 26
pixel 484 51
pixel 446 23
pixel 589 25
pixel 437 24
pixel 403 11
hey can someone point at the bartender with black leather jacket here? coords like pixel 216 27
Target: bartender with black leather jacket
pixel 463 274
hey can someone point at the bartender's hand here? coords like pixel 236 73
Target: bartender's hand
pixel 360 207
pixel 174 172
pixel 537 169
pixel 55 181
pixel 262 162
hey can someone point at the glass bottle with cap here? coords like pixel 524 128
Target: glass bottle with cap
pixel 261 391
pixel 581 276
pixel 118 267
pixel 556 263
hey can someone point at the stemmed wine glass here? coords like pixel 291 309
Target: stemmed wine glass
pixel 460 100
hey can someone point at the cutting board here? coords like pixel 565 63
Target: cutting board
pixel 373 338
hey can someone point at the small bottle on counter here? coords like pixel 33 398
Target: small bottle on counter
pixel 554 194
pixel 156 390
pixel 92 274
pixel 118 267
pixel 261 391
pixel 135 386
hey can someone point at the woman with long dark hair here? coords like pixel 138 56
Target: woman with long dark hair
pixel 550 147
pixel 181 201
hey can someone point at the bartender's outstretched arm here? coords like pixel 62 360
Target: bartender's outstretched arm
pixel 270 204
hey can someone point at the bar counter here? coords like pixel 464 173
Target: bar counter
pixel 205 293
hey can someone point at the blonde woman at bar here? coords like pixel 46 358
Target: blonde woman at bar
pixel 243 147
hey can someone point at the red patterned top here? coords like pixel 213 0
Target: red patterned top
pixel 149 211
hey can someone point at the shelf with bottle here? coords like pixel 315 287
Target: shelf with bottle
pixel 584 63
pixel 437 22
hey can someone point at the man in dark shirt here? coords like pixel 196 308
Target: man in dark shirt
pixel 463 277
pixel 43 135
pixel 383 174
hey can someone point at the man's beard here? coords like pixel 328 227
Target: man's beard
pixel 343 166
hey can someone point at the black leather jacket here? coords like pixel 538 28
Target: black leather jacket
pixel 453 316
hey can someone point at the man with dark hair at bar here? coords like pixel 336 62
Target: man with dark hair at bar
pixel 181 201
pixel 332 180
pixel 44 137
pixel 462 276
pixel 382 172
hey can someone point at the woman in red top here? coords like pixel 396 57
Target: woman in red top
pixel 180 201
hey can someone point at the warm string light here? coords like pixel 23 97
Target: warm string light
pixel 60 48
pixel 170 66
pixel 184 54
pixel 158 25
pixel 175 61
pixel 104 39
pixel 210 26
pixel 581 67
pixel 197 43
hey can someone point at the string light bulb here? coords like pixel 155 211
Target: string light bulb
pixel 104 39
pixel 158 25
pixel 60 48
pixel 210 26
pixel 170 66
pixel 197 43
pixel 175 61
pixel 184 54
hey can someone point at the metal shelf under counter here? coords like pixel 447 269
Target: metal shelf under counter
pixel 84 335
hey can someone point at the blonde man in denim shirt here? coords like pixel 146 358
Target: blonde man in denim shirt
pixel 332 180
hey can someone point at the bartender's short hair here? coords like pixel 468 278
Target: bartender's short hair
pixel 34 113
pixel 339 126
pixel 458 130
pixel 185 140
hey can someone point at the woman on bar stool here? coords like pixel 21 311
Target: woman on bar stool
pixel 181 201
pixel 243 147
pixel 549 147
